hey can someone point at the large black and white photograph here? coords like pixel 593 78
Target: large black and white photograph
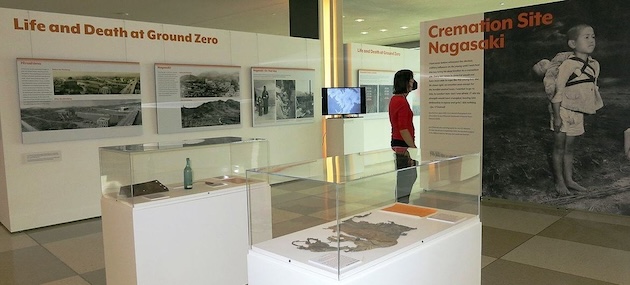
pixel 85 114
pixel 264 104
pixel 82 83
pixel 210 82
pixel 197 97
pixel 210 113
pixel 285 99
pixel 69 100
pixel 282 96
pixel 557 107
pixel 304 96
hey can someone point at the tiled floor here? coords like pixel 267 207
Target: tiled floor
pixel 522 244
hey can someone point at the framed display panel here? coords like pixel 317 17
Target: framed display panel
pixel 197 97
pixel 64 100
pixel 282 96
pixel 141 173
pixel 341 214
pixel 379 88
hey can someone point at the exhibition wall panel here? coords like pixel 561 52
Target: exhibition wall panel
pixel 55 182
pixel 371 57
pixel 4 198
pixel 485 90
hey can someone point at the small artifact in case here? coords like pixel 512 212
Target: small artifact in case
pixel 143 188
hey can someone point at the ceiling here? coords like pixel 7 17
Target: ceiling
pixel 271 16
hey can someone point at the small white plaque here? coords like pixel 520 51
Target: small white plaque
pixel 335 261
pixel 41 156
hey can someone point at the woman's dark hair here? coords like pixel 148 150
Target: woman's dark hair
pixel 401 81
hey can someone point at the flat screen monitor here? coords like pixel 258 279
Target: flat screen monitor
pixel 343 101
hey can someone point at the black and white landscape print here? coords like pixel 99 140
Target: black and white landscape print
pixel 84 114
pixel 91 83
pixel 210 96
pixel 211 113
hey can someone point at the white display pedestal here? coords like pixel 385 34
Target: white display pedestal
pixel 344 136
pixel 199 238
pixel 453 257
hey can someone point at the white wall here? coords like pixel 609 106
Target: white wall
pixel 46 193
pixel 377 134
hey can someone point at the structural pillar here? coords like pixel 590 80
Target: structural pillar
pixel 331 36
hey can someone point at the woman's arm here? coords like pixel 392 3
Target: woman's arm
pixel 406 135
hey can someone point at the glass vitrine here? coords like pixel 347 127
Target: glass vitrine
pixel 337 216
pixel 140 173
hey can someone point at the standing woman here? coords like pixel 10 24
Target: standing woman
pixel 403 133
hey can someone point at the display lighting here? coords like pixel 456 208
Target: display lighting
pixel 383 30
pixel 364 33
pixel 359 20
pixel 404 27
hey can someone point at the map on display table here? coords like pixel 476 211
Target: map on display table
pixel 357 235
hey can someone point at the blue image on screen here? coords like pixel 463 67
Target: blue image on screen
pixel 344 101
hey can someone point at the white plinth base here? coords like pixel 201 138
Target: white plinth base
pixel 201 238
pixel 453 258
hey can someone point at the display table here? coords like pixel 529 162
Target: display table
pixel 157 232
pixel 452 256
pixel 198 237
pixel 348 228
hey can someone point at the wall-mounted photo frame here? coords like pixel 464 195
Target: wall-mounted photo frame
pixel 197 97
pixel 282 96
pixel 63 100
pixel 378 87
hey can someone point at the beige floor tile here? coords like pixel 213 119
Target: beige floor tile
pixel 599 217
pixel 469 208
pixel 589 232
pixel 498 242
pixel 358 196
pixel 288 197
pixel 83 254
pixel 501 272
pixel 74 280
pixel 280 216
pixel 65 231
pixel 294 225
pixel 486 260
pixel 515 220
pixel 279 192
pixel 31 265
pixel 9 241
pixel 95 277
pixel 438 200
pixel 596 262
pixel 317 191
pixel 345 210
pixel 306 205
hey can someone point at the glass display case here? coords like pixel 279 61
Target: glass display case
pixel 141 173
pixel 339 216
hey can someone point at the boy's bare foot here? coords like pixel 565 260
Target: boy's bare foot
pixel 573 185
pixel 562 190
